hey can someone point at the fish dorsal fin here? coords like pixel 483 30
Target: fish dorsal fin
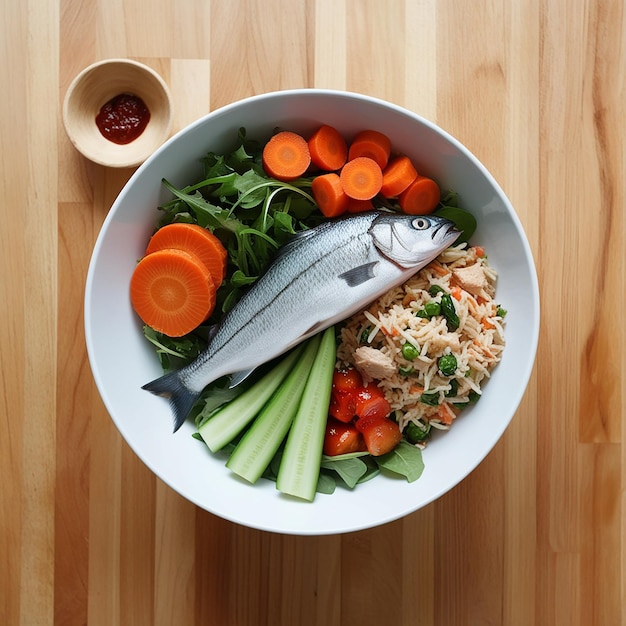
pixel 360 274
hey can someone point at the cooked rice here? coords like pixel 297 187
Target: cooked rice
pixel 391 321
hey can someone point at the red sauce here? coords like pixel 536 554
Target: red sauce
pixel 123 118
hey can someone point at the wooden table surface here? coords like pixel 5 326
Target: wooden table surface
pixel 535 535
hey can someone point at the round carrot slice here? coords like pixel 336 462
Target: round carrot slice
pixel 397 176
pixel 328 148
pixel 329 194
pixel 195 240
pixel 286 156
pixel 371 144
pixel 421 197
pixel 172 291
pixel 361 178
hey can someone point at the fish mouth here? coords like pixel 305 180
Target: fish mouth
pixel 446 230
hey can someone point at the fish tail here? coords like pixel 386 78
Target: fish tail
pixel 181 397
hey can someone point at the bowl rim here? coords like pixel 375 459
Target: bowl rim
pixel 532 341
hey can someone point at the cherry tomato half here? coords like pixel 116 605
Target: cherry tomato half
pixel 381 434
pixel 341 438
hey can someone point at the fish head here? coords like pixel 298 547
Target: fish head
pixel 412 240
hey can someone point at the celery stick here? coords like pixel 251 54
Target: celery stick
pixel 300 464
pixel 223 426
pixel 260 443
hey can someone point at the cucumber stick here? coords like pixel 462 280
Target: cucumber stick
pixel 300 465
pixel 261 441
pixel 224 425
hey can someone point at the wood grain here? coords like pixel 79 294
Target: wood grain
pixel 534 535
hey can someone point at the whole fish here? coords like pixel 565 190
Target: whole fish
pixel 320 277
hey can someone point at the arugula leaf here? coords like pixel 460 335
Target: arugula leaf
pixel 214 396
pixel 182 350
pixel 239 279
pixel 207 214
pixel 283 227
pixel 252 189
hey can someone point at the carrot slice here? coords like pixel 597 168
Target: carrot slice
pixel 446 413
pixel 196 240
pixel 397 176
pixel 361 178
pixel 329 194
pixel 421 197
pixel 372 144
pixel 487 324
pixel 286 156
pixel 328 148
pixel 172 291
pixel 359 206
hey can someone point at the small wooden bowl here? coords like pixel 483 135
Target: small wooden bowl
pixel 99 83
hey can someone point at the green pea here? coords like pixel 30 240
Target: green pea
pixel 432 308
pixel 406 371
pixel 414 433
pixel 447 364
pixel 422 313
pixel 409 351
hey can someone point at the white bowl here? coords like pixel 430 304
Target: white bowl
pixel 122 360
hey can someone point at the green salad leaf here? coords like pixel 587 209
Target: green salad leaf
pixel 349 469
pixel 356 468
pixel 250 212
pixel 405 459
pixel 464 220
pixel 175 351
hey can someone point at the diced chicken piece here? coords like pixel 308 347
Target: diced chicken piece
pixel 471 278
pixel 373 363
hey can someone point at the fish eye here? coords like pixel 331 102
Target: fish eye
pixel 420 223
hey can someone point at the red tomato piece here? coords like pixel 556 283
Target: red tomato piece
pixel 341 438
pixel 342 405
pixel 347 379
pixel 381 435
pixel 371 402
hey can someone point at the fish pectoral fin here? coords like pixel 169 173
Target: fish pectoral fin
pixel 360 274
pixel 239 377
